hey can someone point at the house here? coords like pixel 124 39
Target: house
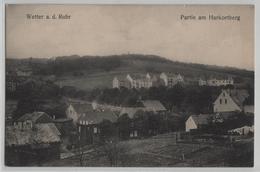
pixel 120 81
pixel 171 79
pixel 197 121
pixel 153 105
pixel 29 119
pixel 140 81
pixel 230 101
pixel 88 125
pixel 31 143
pixel 245 130
pixel 75 110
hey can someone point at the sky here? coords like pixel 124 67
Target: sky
pixel 135 29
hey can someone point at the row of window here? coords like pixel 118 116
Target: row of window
pixel 220 101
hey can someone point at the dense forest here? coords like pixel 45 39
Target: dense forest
pixel 148 63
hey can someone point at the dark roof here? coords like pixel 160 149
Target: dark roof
pixel 225 115
pixel 138 76
pixel 238 96
pixel 202 119
pixel 96 117
pixel 40 134
pixel 130 111
pixel 32 116
pixel 153 105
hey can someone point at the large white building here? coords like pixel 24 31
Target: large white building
pixel 171 79
pixel 216 82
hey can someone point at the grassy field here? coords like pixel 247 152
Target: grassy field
pixel 160 151
pixel 90 81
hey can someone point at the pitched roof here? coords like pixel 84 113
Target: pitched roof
pixel 96 117
pixel 171 74
pixel 81 108
pixel 32 116
pixel 153 105
pixel 138 76
pixel 202 119
pixel 130 111
pixel 40 134
pixel 238 96
pixel 121 78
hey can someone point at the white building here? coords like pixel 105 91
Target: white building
pixel 171 79
pixel 230 101
pixel 216 82
pixel 119 82
pixel 140 81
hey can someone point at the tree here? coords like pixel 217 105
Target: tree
pixel 124 125
pixel 107 130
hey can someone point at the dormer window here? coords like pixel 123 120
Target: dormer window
pixel 224 94
pixel 220 101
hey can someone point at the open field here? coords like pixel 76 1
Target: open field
pixel 157 151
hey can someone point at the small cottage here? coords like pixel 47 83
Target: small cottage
pixel 197 121
pixel 230 101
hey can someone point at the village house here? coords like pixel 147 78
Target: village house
pixel 29 119
pixel 88 125
pixel 153 106
pixel 75 110
pixel 32 138
pixel 230 101
pixel 195 122
pixel 171 79
pixel 120 81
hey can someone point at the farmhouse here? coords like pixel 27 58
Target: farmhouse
pixel 30 144
pixel 88 125
pixel 230 101
pixel 153 105
pixel 75 110
pixel 29 119
pixel 33 137
pixel 197 121
pixel 171 79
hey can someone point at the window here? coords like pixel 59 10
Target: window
pixel 95 130
pixel 225 101
pixel 224 94
pixel 220 101
pixel 135 133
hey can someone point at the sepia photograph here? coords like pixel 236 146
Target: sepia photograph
pixel 129 85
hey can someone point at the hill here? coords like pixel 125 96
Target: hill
pixel 88 72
